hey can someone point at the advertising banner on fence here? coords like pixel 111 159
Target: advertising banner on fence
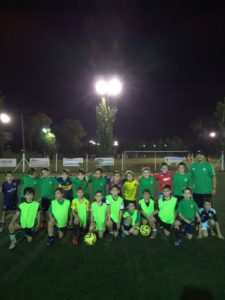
pixel 174 159
pixel 39 162
pixel 105 161
pixel 8 162
pixel 72 162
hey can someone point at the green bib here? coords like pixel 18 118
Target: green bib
pixel 134 216
pixel 28 213
pixel 99 214
pixel 148 209
pixel 115 206
pixel 167 210
pixel 60 211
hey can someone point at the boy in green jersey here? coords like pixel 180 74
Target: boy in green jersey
pixel 98 182
pixel 181 179
pixel 59 211
pixel 29 180
pixel 146 207
pixel 80 180
pixel 46 189
pixel 80 212
pixel 27 214
pixel 131 221
pixel 165 214
pixel 203 178
pixel 98 215
pixel 115 208
pixel 187 213
pixel 146 182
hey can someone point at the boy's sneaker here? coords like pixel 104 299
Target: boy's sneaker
pixel 177 242
pixel 12 245
pixel 74 241
pixel 56 231
pixel 153 235
pixel 50 241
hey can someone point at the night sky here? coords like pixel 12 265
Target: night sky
pixel 171 60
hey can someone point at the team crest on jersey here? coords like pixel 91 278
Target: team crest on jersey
pixel 185 179
pixel 50 182
pixel 204 169
pixel 191 205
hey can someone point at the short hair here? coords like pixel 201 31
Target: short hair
pixel 99 169
pixel 66 171
pixel 45 169
pixel 181 164
pixel 187 188
pixel 82 171
pixel 116 172
pixel 8 172
pixel 80 189
pixel 28 190
pixel 209 200
pixel 114 187
pixel 164 164
pixel 131 202
pixel 166 186
pixel 99 192
pixel 147 191
pixel 60 190
pixel 31 171
pixel 129 172
pixel 146 169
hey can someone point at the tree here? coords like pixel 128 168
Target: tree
pixel 2 135
pixel 106 116
pixel 69 134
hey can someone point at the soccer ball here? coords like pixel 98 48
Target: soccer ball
pixel 90 239
pixel 145 230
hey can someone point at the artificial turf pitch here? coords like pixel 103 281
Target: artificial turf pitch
pixel 134 268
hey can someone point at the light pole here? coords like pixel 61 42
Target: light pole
pixel 106 114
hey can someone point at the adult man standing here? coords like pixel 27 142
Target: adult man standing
pixel 203 178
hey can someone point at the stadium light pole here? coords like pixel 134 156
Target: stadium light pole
pixel 212 134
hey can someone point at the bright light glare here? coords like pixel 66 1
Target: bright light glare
pixel 112 87
pixel 4 118
pixel 116 143
pixel 101 87
pixel 44 130
pixel 212 134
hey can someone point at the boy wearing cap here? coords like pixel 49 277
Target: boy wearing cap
pixel 203 178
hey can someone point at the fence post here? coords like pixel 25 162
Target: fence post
pixel 122 162
pixel 222 161
pixel 155 162
pixel 86 162
pixel 56 162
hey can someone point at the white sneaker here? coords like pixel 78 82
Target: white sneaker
pixel 12 245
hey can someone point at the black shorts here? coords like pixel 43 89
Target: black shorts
pixel 199 198
pixel 45 203
pixel 9 205
pixel 144 217
pixel 187 228
pixel 114 225
pixel 126 227
pixel 165 226
pixel 28 231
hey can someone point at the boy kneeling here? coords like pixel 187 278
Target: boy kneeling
pixel 130 225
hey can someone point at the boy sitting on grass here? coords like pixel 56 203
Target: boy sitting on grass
pixel 25 218
pixel 131 221
pixel 209 223
pixel 187 214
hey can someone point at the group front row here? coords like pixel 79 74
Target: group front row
pixel 109 214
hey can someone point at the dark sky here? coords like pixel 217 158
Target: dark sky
pixel 171 60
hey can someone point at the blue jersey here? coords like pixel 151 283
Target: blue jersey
pixel 9 190
pixel 210 215
pixel 66 185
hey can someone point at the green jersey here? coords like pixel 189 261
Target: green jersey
pixel 47 186
pixel 180 181
pixel 99 215
pixel 116 205
pixel 60 210
pixel 146 184
pixel 134 216
pixel 28 213
pixel 81 208
pixel 147 207
pixel 188 209
pixel 202 173
pixel 28 181
pixel 76 183
pixel 98 184
pixel 167 210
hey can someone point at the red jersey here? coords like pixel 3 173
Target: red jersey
pixel 164 179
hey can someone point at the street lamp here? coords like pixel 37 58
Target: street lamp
pixel 212 134
pixel 116 143
pixel 4 118
pixel 112 87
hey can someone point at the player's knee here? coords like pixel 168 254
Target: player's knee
pixel 212 223
pixel 189 236
pixel 29 239
pixel 204 233
pixel 109 224
pixel 166 232
pixel 100 234
pixel 144 221
pixel 177 224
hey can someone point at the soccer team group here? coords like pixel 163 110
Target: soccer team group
pixel 116 206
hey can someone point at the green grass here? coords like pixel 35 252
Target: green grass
pixel 134 268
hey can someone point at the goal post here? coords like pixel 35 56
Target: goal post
pixel 136 160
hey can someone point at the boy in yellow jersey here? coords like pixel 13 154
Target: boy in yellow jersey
pixel 131 221
pixel 130 188
pixel 115 208
pixel 98 215
pixel 80 212
pixel 165 214
pixel 59 211
pixel 28 213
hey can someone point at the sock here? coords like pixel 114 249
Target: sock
pixel 12 237
pixel 76 230
pixel 51 237
pixel 177 234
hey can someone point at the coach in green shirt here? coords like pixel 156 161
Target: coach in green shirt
pixel 203 178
